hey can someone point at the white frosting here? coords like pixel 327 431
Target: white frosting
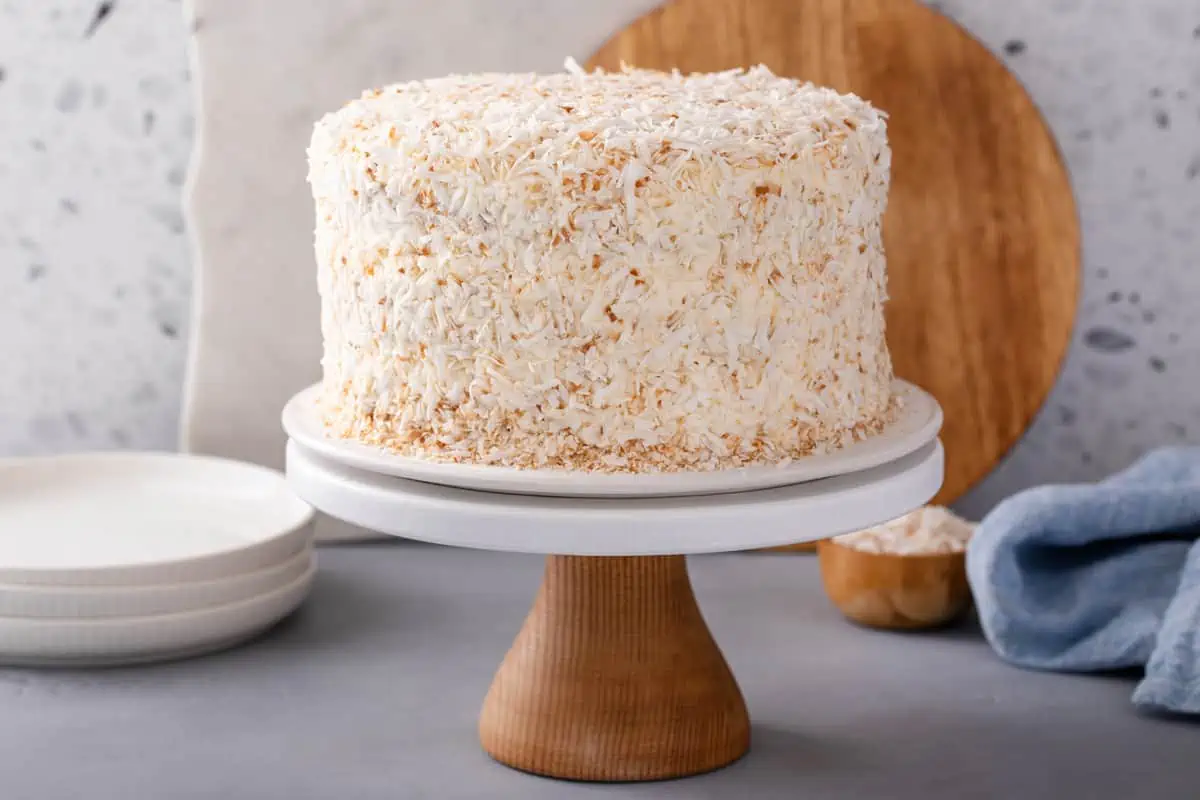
pixel 609 271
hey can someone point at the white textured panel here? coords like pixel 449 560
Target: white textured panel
pixel 257 311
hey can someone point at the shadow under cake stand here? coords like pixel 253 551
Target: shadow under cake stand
pixel 614 675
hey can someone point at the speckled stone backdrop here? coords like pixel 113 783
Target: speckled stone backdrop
pixel 95 131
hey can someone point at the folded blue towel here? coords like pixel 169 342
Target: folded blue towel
pixel 1100 577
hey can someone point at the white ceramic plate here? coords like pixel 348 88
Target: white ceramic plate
pixel 97 602
pixel 919 422
pixel 618 526
pixel 135 640
pixel 123 519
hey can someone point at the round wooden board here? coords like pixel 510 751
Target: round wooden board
pixel 981 231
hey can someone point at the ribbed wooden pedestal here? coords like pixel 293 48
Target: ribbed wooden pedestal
pixel 615 677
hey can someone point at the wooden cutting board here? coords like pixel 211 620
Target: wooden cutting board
pixel 981 231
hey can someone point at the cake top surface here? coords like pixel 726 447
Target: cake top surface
pixel 740 114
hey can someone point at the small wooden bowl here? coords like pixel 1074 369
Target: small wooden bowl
pixel 897 592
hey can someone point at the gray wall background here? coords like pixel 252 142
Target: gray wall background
pixel 96 123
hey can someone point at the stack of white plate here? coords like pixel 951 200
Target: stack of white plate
pixel 131 557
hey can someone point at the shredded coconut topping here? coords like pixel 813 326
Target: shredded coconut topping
pixel 926 531
pixel 633 271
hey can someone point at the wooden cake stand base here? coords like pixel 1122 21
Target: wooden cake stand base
pixel 615 677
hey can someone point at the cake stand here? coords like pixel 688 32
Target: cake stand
pixel 614 675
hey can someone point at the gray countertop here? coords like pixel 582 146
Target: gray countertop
pixel 373 688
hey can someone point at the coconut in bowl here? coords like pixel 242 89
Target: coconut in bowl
pixel 906 574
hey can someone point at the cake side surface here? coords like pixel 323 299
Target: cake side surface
pixel 633 271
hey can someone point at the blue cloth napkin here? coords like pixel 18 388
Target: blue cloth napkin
pixel 1100 577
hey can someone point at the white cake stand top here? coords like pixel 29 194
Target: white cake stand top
pixel 919 422
pixel 625 526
